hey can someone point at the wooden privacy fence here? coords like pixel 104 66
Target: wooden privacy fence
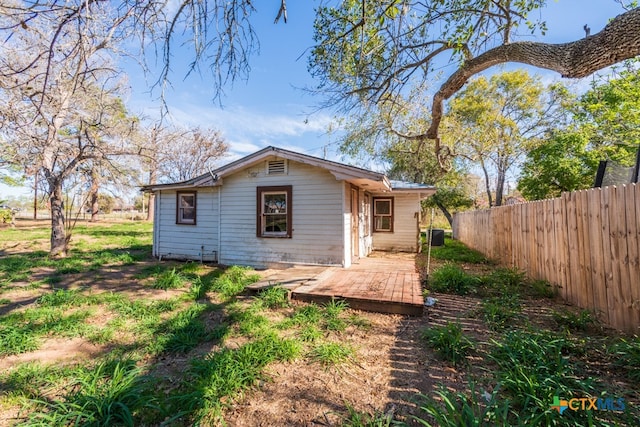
pixel 586 242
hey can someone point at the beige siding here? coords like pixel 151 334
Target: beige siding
pixel 405 228
pixel 317 213
pixel 184 241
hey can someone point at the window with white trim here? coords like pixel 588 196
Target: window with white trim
pixel 274 211
pixel 186 208
pixel 383 214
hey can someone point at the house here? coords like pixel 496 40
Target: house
pixel 278 206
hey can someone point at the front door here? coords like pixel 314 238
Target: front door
pixel 355 225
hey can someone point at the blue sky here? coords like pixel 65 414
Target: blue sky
pixel 272 109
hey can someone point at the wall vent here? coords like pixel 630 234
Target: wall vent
pixel 276 167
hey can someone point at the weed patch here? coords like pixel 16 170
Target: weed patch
pixel 452 279
pixel 456 251
pixel 573 321
pixel 110 394
pixel 449 342
pixel 274 297
pixel 331 353
pixel 221 376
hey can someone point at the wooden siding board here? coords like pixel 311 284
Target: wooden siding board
pixel 317 210
pixel 403 237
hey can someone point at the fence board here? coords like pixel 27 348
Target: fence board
pixel 633 242
pixel 587 243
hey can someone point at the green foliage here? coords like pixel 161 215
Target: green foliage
pixel 497 120
pixel 110 394
pixel 505 280
pixel 332 318
pixel 450 278
pixel 501 311
pixel 355 418
pixel 6 216
pixel 21 331
pixel 61 298
pixel 454 409
pixel 561 163
pixel 310 333
pixel 225 374
pixel 170 279
pixel 331 353
pixel 309 314
pixel 181 332
pixel 456 251
pixel 531 369
pixel 605 127
pixel 542 289
pixel 573 321
pixel 274 297
pixel 627 356
pixel 449 342
pixel 233 281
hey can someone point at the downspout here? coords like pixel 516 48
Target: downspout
pixel 346 251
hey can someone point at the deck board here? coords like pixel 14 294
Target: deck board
pixel 381 284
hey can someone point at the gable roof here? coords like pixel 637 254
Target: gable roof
pixel 372 181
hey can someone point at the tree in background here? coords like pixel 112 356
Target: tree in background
pixel 56 114
pixel 494 121
pixel 370 53
pixel 606 126
pixel 170 154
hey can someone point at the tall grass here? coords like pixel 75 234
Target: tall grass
pixel 451 278
pixel 110 394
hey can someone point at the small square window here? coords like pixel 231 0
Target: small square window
pixel 383 214
pixel 186 208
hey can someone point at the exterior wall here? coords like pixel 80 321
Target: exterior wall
pixel 406 211
pixel 185 241
pixel 317 208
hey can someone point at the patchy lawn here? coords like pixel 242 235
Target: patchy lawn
pixel 110 336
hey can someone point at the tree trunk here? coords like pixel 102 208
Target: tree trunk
pixel 487 184
pixel 93 196
pixel 58 232
pixel 500 187
pixel 446 213
pixel 151 207
pixel 153 177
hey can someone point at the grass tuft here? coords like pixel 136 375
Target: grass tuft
pixel 573 321
pixel 169 279
pixel 274 297
pixel 331 353
pixel 452 279
pixel 449 342
pixel 110 394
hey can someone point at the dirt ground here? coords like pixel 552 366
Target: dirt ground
pixel 390 369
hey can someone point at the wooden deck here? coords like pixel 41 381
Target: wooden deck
pixel 384 283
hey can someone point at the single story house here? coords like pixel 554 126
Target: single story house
pixel 278 206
